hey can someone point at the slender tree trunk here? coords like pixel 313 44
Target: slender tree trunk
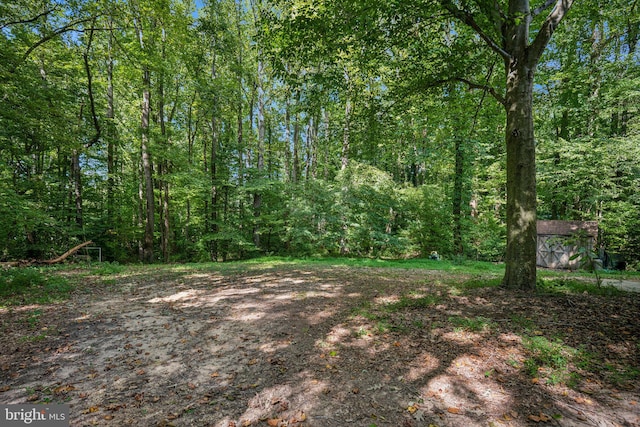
pixel 287 139
pixel 295 171
pixel 111 152
pixel 458 189
pixel 147 168
pixel 213 171
pixel 76 173
pixel 326 139
pixel 344 159
pixel 257 196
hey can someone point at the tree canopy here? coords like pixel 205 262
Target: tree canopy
pixel 178 130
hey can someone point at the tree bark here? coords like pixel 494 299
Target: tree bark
pixel 520 272
pixel 257 196
pixel 458 189
pixel 213 171
pixel 110 132
pixel 147 171
pixel 344 157
pixel 68 253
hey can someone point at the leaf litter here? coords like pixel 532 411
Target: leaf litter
pixel 321 346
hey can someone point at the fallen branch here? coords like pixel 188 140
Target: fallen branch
pixel 67 254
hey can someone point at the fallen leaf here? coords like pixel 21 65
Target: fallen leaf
pixel 274 422
pixel 63 389
pixel 215 375
pixel 246 423
pixel 633 402
pixel 5 388
pixel 301 417
pixel 115 407
pixel 412 408
pixel 541 417
pixel 108 417
pixel 535 380
pixel 140 372
pixel 454 410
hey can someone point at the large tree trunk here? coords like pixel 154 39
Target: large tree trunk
pixel 520 270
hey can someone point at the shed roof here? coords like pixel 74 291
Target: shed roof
pixel 567 228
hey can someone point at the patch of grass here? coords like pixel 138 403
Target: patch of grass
pixel 364 310
pixel 412 303
pixel 34 338
pixel 567 285
pixel 551 360
pixel 621 375
pixel 475 324
pixel 523 322
pixel 109 268
pixel 34 318
pixel 31 286
pixel 463 266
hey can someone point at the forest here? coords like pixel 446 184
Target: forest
pixel 182 131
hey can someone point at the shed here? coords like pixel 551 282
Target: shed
pixel 558 242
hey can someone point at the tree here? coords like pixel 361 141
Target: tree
pixel 386 30
pixel 521 56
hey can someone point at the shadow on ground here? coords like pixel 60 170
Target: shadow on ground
pixel 317 347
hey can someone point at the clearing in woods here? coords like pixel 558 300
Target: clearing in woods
pixel 322 345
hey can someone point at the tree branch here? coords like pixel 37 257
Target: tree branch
pixel 92 104
pixel 486 88
pixel 43 40
pixel 28 21
pixel 548 28
pixel 538 10
pixel 472 85
pixel 468 19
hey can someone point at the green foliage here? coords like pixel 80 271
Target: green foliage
pixel 412 303
pixel 31 285
pixel 551 359
pixel 428 218
pixel 108 269
pixel 569 285
pixel 210 74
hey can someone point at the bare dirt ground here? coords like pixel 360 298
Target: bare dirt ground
pixel 319 346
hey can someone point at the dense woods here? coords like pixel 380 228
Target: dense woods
pixel 188 131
